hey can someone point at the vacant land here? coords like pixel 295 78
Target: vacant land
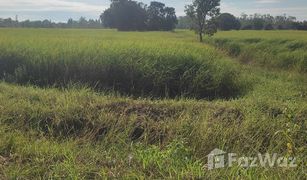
pixel 83 104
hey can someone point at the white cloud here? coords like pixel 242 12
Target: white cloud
pixel 297 11
pixel 63 9
pixel 268 1
pixel 49 5
pixel 231 8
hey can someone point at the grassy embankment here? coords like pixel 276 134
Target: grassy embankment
pixel 274 49
pixel 50 128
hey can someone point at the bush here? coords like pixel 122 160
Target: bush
pixel 228 22
pixel 234 49
pixel 268 27
pixel 303 64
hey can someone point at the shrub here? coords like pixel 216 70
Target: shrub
pixel 295 45
pixel 234 49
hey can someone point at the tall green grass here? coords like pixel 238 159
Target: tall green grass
pixel 81 133
pixel 139 67
pixel 274 49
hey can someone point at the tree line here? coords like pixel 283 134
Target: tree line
pixel 128 15
pixel 81 23
pixel 269 22
pixel 227 21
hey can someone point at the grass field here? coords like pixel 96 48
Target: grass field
pixel 274 49
pixel 141 66
pixel 91 104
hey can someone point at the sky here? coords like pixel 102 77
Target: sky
pixel 62 10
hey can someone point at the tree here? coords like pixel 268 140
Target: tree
pixel 82 22
pixel 130 15
pixel 161 17
pixel 46 24
pixel 228 22
pixel 125 15
pixel 302 26
pixel 155 13
pixel 184 22
pixel 268 27
pixel 202 12
pixel 258 23
pixel 70 23
pixel 170 21
pixel 268 22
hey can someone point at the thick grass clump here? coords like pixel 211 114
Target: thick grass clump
pixel 266 49
pixel 133 67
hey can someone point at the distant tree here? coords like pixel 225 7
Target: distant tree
pixel 258 23
pixel 302 26
pixel 184 22
pixel 244 17
pixel 211 27
pixel 155 13
pixel 131 15
pixel 280 22
pixel 125 15
pixel 269 27
pixel 280 27
pixel 247 27
pixel 268 22
pixel 108 19
pixel 82 22
pixel 46 23
pixel 92 23
pixel 202 13
pixel 291 22
pixel 228 22
pixel 161 17
pixel 170 20
pixel 9 22
pixel 70 23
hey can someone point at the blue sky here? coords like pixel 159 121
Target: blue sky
pixel 61 10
